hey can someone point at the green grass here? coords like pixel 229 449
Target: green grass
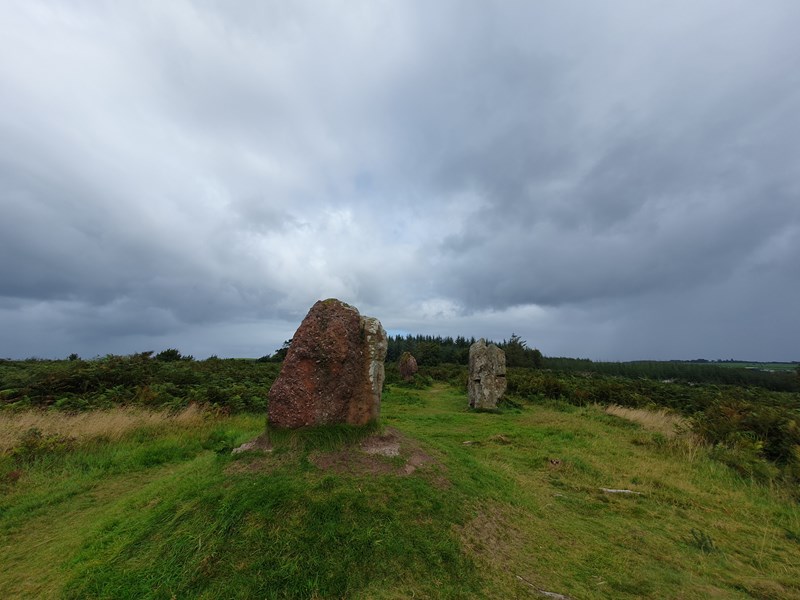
pixel 167 512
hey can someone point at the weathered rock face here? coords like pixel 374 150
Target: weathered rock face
pixel 487 375
pixel 333 372
pixel 408 366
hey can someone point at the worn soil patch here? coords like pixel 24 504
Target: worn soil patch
pixel 351 462
pixel 263 464
pixel 390 453
pixel 387 444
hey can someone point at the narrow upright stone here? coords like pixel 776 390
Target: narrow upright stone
pixel 333 371
pixel 487 375
pixel 408 366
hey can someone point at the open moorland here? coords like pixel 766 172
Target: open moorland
pixel 118 481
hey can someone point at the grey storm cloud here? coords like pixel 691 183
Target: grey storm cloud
pixel 615 180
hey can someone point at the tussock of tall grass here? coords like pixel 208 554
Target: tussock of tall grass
pixel 663 422
pixel 111 423
pixel 674 428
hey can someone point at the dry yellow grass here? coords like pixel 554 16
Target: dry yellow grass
pixel 111 423
pixel 673 427
pixel 656 420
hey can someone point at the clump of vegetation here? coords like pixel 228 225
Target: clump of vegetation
pixel 172 355
pixel 169 380
pixel 34 445
pixel 772 432
pixel 702 541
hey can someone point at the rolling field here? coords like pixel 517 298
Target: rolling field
pixel 437 502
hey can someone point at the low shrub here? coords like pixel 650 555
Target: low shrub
pixel 770 432
pixel 33 445
pixel 136 380
pixel 702 541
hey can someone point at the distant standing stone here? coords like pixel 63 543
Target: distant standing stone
pixel 487 375
pixel 333 371
pixel 408 366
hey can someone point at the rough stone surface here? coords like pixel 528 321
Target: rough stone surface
pixel 260 444
pixel 333 372
pixel 408 366
pixel 487 375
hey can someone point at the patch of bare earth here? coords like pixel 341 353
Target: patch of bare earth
pixel 380 454
pixel 351 462
pixel 389 453
pixel 267 463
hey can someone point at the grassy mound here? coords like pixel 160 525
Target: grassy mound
pixel 439 502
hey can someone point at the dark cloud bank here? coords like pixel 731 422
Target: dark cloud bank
pixel 615 180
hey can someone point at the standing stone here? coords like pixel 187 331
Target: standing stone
pixel 408 366
pixel 487 375
pixel 333 371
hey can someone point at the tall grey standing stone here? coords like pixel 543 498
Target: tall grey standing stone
pixel 487 375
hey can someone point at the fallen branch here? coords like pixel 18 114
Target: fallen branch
pixel 608 491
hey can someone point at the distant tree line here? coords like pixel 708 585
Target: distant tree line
pixel 694 372
pixel 431 350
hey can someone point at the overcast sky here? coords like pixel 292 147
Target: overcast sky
pixel 614 180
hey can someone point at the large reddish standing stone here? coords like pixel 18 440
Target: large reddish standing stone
pixel 333 372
